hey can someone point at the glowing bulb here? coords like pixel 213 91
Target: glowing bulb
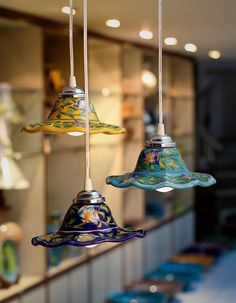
pixel 106 92
pixel 149 79
pixel 75 134
pixel 3 228
pixel 145 34
pixel 164 189
pixel 153 288
pixel 171 41
pixel 91 246
pixel 190 47
pixel 66 10
pixel 115 23
pixel 214 54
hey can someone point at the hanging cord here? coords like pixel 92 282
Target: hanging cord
pixel 72 82
pixel 88 182
pixel 160 128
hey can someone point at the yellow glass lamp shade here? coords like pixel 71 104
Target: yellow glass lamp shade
pixel 68 116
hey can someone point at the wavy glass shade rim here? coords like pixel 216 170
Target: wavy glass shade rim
pixel 72 238
pixel 138 180
pixel 77 126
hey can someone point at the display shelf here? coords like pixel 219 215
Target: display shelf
pixel 24 283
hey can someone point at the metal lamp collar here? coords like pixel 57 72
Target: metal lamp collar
pixel 72 92
pixel 160 141
pixel 89 197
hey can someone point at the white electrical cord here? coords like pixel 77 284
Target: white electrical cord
pixel 88 182
pixel 72 81
pixel 160 128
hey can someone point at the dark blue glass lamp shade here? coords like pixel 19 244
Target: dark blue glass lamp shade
pixel 88 222
pixel 160 166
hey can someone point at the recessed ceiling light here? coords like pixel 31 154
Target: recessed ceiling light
pixel 190 47
pixel 145 34
pixel 171 41
pixel 214 54
pixel 115 23
pixel 66 10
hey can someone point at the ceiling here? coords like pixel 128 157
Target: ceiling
pixel 210 24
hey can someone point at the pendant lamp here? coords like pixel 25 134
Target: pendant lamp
pixel 160 165
pixel 88 222
pixel 68 115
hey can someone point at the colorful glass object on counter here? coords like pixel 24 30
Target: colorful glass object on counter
pixel 186 278
pixel 9 264
pixel 208 248
pixel 161 167
pixel 169 288
pixel 137 297
pixel 68 116
pixel 194 259
pixel 88 222
pixel 182 267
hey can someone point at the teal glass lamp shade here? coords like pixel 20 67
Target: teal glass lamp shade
pixel 134 296
pixel 88 222
pixel 159 167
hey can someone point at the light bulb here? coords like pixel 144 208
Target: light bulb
pixel 190 47
pixel 171 41
pixel 149 79
pixel 214 54
pixel 75 134
pixel 164 189
pixel 145 34
pixel 91 246
pixel 66 10
pixel 115 23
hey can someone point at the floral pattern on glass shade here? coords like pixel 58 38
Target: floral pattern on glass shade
pixel 86 225
pixel 74 238
pixel 69 115
pixel 161 167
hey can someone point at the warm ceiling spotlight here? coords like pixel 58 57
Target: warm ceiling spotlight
pixel 115 23
pixel 149 79
pixel 171 41
pixel 214 54
pixel 66 10
pixel 145 34
pixel 190 47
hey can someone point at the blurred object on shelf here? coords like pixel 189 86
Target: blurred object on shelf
pixel 54 255
pixel 202 259
pixel 137 297
pixel 169 288
pixel 8 108
pixel 9 264
pixel 55 79
pixel 11 176
pixel 11 231
pixel 4 208
pixel 149 79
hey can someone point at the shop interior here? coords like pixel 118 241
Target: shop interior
pixel 188 254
